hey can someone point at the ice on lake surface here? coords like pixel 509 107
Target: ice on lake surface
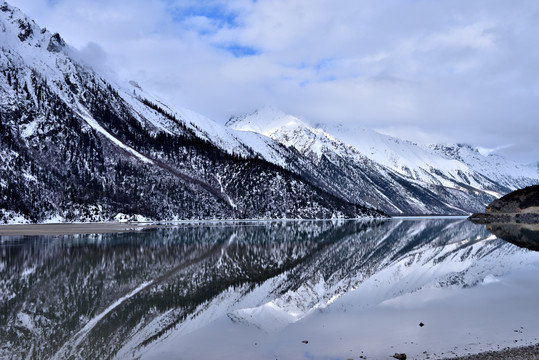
pixel 271 290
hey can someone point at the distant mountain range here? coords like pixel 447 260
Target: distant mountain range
pixel 77 146
pixel 395 175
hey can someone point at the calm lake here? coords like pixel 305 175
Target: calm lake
pixel 269 290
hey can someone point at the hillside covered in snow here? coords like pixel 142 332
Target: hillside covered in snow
pixel 395 175
pixel 76 146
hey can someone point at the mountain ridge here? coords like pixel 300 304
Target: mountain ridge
pixel 453 178
pixel 78 147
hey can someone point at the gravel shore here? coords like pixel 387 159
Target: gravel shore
pixel 521 353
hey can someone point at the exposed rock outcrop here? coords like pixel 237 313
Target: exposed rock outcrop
pixel 56 43
pixel 514 217
pixel 520 206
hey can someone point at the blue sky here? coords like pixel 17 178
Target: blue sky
pixel 216 12
pixel 428 71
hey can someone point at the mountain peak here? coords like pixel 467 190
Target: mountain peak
pixel 270 110
pixel 265 120
pixel 16 25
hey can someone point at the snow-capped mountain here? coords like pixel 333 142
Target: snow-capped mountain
pixel 77 146
pixel 395 175
pixel 505 172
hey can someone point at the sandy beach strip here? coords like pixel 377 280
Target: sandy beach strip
pixel 73 228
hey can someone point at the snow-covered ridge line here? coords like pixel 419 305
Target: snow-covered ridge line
pixel 84 139
pixel 455 169
pixel 403 156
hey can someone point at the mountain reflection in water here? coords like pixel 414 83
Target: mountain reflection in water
pixel 121 295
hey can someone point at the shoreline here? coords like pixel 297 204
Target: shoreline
pixel 74 228
pixel 85 228
pixel 530 352
pixel 108 227
pixel 120 227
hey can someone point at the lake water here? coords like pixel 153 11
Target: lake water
pixel 272 290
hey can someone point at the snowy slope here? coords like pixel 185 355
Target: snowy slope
pixel 446 165
pixel 229 140
pixel 25 43
pixel 58 64
pixel 78 146
pixel 464 172
pixel 504 171
pixel 439 163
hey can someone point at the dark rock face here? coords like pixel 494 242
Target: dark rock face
pixel 56 43
pixel 26 30
pixel 520 206
pixel 516 202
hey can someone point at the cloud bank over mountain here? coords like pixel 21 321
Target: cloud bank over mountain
pixel 450 71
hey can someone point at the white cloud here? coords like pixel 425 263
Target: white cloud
pixel 473 36
pixel 454 70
